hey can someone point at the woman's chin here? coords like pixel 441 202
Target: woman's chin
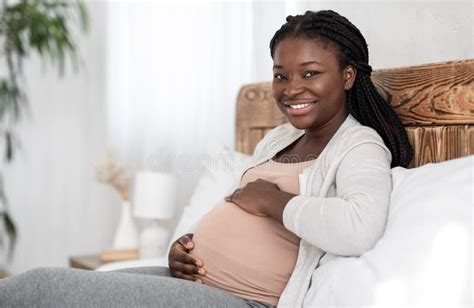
pixel 298 123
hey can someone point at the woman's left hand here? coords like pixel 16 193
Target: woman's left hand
pixel 255 197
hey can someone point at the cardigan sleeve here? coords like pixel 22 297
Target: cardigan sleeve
pixel 353 221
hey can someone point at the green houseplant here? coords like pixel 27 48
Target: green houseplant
pixel 26 27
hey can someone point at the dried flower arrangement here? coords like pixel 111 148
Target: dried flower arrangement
pixel 111 173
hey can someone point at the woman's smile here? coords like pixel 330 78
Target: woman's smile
pixel 299 108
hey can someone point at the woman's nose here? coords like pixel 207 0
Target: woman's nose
pixel 293 88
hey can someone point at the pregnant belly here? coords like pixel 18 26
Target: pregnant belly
pixel 247 255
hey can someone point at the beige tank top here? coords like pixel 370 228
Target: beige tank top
pixel 250 256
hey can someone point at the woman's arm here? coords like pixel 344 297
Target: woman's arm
pixel 353 221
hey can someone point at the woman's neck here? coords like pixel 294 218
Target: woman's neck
pixel 321 135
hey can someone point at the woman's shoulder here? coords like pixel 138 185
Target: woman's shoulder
pixel 274 137
pixel 355 133
pixel 357 137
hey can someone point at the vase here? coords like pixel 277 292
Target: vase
pixel 126 235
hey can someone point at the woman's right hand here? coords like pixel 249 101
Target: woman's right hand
pixel 183 265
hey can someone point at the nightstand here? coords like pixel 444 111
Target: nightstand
pixel 91 262
pixel 87 262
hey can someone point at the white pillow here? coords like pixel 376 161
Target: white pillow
pixel 221 176
pixel 425 255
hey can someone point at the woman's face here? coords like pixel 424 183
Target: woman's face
pixel 308 85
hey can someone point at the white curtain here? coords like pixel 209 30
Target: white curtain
pixel 174 71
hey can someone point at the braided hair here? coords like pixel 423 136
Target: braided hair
pixel 364 102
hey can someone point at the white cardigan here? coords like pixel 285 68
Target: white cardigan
pixel 343 203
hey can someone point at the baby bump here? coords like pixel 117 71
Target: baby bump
pixel 234 232
pixel 248 255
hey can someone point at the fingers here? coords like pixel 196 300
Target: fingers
pixel 186 241
pixel 186 271
pixel 179 253
pixel 182 264
pixel 187 277
pixel 234 197
pixel 185 257
pixel 188 268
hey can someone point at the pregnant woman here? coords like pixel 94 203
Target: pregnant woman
pixel 318 188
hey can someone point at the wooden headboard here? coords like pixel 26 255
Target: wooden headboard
pixel 434 101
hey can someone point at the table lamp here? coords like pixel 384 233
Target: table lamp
pixel 154 199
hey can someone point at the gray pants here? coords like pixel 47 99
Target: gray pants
pixel 134 287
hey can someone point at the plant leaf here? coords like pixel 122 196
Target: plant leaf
pixel 11 233
pixel 84 16
pixel 8 146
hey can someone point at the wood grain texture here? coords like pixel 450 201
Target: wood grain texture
pixel 434 101
pixel 437 144
pixel 433 94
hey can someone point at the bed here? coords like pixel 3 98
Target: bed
pixel 425 255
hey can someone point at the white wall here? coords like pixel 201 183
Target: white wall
pixel 402 33
pixel 58 206
pixel 398 32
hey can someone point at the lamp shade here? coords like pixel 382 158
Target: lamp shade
pixel 155 195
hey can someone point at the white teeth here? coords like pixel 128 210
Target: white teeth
pixel 299 106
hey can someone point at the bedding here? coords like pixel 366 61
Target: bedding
pixel 425 255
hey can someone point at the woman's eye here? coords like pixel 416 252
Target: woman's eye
pixel 279 77
pixel 310 73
